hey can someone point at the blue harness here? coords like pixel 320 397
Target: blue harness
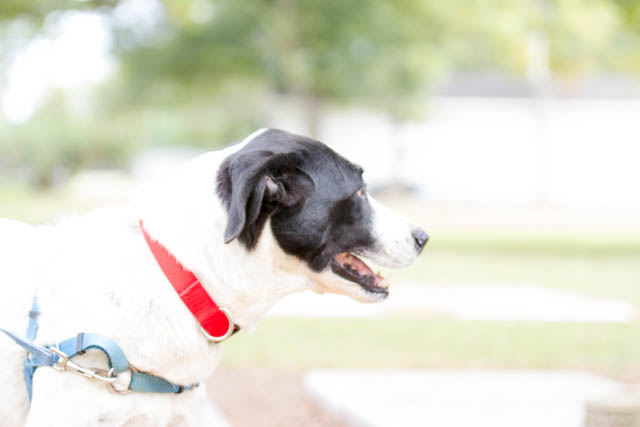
pixel 59 357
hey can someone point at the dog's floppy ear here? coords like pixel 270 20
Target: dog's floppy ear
pixel 257 183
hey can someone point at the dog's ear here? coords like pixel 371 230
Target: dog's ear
pixel 256 184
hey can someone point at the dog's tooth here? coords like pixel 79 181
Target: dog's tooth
pixel 383 284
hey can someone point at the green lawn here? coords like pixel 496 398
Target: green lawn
pixel 33 206
pixel 397 342
pixel 605 275
pixel 526 243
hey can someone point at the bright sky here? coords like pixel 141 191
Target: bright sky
pixel 73 53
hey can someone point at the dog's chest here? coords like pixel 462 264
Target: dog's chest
pixel 77 402
pixel 100 282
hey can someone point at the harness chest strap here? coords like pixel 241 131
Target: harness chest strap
pixel 215 323
pixel 58 356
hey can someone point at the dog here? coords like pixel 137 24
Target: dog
pixel 273 215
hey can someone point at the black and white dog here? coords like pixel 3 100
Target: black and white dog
pixel 273 215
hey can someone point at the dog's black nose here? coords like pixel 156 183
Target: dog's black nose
pixel 421 238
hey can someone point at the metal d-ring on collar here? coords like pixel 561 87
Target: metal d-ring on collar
pixel 230 331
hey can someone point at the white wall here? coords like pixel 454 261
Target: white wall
pixel 500 151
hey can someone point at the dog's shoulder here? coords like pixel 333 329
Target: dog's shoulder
pixel 16 240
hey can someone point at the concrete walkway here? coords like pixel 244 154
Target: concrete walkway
pixel 468 302
pixel 459 398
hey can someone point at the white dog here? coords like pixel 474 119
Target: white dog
pixel 273 215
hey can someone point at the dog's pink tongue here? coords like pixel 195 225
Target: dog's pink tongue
pixel 352 261
pixel 346 258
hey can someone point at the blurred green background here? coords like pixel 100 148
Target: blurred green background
pixel 203 73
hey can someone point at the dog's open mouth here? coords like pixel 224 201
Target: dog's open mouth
pixel 352 268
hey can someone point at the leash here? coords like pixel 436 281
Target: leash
pixel 58 356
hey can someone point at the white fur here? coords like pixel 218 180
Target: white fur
pixel 393 233
pixel 95 274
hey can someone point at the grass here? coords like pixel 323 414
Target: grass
pixel 38 206
pixel 30 205
pixel 406 343
pixel 526 243
pixel 614 275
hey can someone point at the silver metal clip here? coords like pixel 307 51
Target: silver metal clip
pixel 65 364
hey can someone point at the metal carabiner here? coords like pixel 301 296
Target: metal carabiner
pixel 64 363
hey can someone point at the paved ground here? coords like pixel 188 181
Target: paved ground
pixel 267 398
pixel 466 301
pixel 459 398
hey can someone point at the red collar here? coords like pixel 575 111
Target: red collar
pixel 215 322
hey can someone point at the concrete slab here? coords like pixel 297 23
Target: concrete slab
pixel 525 303
pixel 468 302
pixel 309 304
pixel 459 398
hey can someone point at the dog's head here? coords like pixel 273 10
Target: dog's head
pixel 316 205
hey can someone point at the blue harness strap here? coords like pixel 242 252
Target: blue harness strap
pixel 37 353
pixel 67 349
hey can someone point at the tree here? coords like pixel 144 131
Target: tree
pixel 196 73
pixel 382 53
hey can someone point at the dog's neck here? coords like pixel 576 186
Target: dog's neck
pixel 183 212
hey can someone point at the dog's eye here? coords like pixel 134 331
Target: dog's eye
pixel 362 193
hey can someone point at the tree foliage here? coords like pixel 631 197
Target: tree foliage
pixel 202 71
pixel 380 53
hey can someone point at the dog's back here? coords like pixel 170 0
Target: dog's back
pixel 17 264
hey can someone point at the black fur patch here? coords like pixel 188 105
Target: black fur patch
pixel 308 190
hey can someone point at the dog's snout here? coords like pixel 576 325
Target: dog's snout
pixel 421 238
